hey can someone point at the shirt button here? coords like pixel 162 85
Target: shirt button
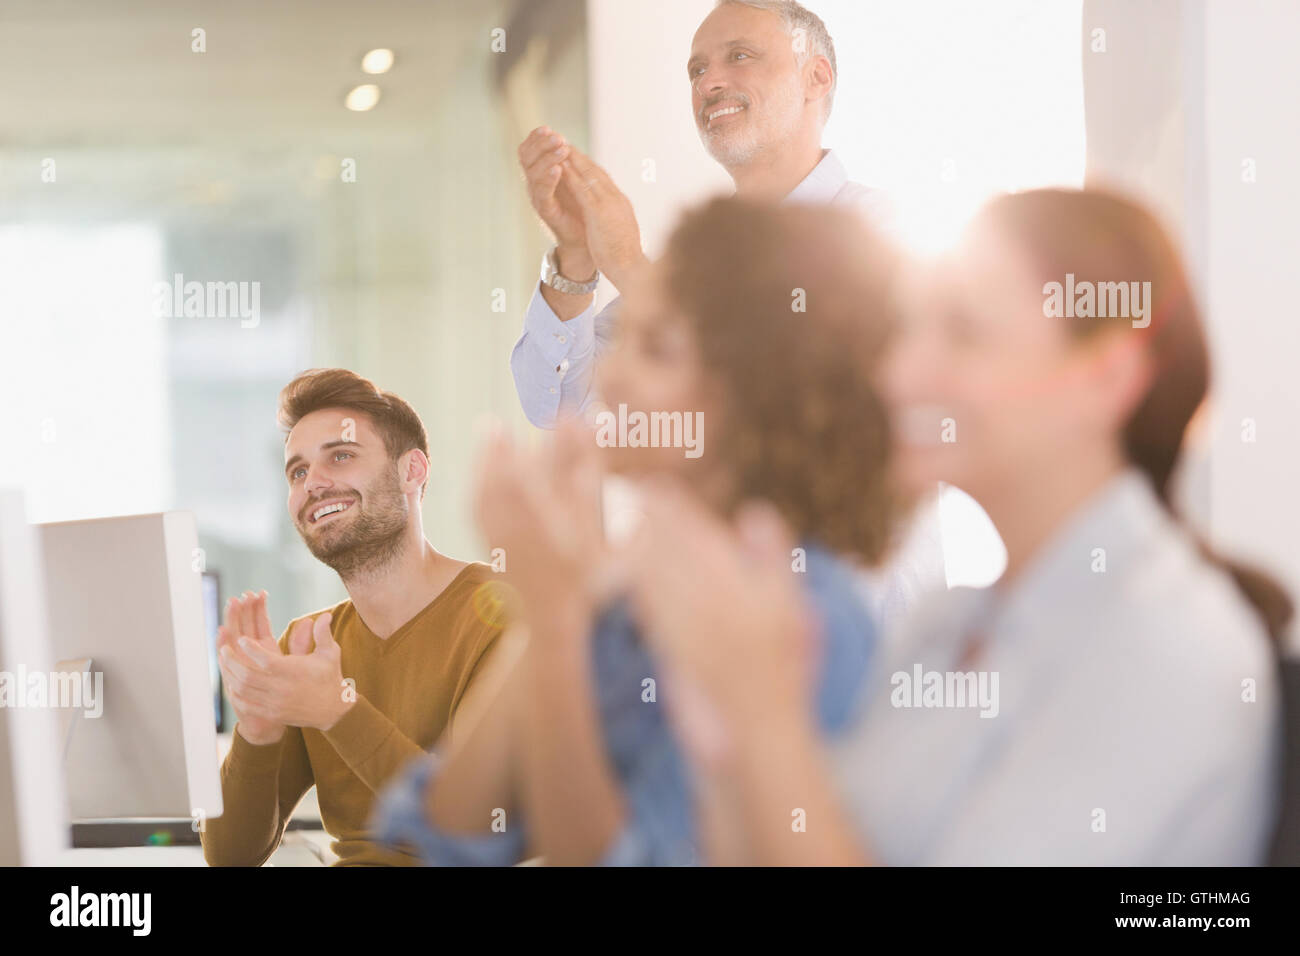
pixel 563 366
pixel 552 391
pixel 561 339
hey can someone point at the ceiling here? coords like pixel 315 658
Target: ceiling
pixel 89 73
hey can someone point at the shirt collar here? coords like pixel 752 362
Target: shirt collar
pixel 823 183
pixel 1109 527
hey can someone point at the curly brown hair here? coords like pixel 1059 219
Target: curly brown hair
pixel 803 425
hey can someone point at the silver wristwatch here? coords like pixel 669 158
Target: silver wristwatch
pixel 551 276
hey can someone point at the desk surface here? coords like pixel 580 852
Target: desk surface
pixel 289 854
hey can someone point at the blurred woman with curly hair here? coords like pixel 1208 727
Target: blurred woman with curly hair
pixel 761 327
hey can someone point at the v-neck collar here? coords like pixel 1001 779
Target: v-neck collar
pixel 387 643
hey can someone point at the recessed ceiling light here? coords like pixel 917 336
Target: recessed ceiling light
pixel 377 61
pixel 363 98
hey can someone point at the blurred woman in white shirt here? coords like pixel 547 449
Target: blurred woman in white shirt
pixel 1113 698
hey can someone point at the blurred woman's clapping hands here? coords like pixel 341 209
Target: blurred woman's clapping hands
pixel 723 609
pixel 541 507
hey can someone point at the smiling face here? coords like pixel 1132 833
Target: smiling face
pixel 985 390
pixel 347 498
pixel 654 367
pixel 748 91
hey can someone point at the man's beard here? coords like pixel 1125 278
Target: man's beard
pixel 374 538
pixel 738 147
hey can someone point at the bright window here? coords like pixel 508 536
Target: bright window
pixel 951 103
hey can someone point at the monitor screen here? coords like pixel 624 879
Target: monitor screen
pixel 211 619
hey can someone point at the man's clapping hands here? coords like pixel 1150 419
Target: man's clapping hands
pixel 269 689
pixel 593 221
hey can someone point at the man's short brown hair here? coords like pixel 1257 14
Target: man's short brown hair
pixel 394 419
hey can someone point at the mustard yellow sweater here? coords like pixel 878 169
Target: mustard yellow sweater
pixel 408 686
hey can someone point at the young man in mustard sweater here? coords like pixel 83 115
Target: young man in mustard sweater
pixel 348 696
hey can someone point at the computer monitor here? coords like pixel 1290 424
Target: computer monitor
pixel 33 808
pixel 127 593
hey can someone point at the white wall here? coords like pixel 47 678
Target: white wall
pixel 641 108
pixel 1189 93
pixel 1252 108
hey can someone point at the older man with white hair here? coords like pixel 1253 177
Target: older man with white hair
pixel 763 77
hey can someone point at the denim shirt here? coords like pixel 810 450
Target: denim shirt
pixel 659 829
